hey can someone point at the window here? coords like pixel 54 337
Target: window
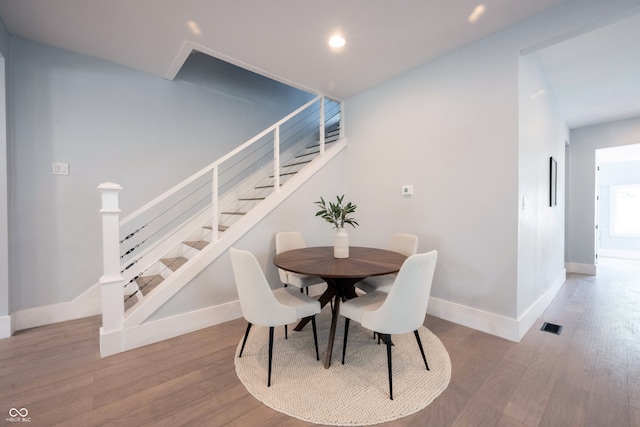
pixel 625 210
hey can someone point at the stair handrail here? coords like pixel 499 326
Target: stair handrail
pixel 222 159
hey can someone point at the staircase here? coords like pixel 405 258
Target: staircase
pixel 139 287
pixel 171 239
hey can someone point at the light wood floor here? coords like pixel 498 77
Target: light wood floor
pixel 587 376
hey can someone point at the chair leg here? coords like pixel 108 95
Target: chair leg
pixel 344 342
pixel 270 354
pixel 421 349
pixel 286 332
pixel 315 336
pixel 244 341
pixel 389 366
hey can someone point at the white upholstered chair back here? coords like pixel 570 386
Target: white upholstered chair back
pixel 405 244
pixel 288 241
pixel 405 308
pixel 259 305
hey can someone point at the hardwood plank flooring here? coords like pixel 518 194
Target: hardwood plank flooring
pixel 589 375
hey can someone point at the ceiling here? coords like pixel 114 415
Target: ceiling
pixel 287 40
pixel 596 76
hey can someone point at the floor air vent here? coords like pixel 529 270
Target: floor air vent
pixel 551 327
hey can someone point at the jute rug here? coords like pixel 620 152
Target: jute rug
pixel 356 393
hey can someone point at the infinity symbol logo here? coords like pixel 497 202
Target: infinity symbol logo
pixel 22 412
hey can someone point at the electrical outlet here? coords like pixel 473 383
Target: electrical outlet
pixel 407 190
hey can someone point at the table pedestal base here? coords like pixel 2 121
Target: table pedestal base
pixel 341 289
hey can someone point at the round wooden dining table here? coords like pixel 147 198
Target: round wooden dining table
pixel 340 274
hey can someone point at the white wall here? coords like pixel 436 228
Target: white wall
pixel 451 128
pixel 110 123
pixel 580 218
pixel 543 133
pixel 5 292
pixel 436 128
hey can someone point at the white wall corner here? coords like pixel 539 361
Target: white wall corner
pixel 491 323
pixel 6 326
pixel 535 310
pixel 45 315
pixel 574 267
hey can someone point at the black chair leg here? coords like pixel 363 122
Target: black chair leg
pixel 315 336
pixel 421 349
pixel 286 332
pixel 389 366
pixel 270 354
pixel 244 341
pixel 344 342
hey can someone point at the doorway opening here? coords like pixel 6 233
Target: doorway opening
pixel 618 202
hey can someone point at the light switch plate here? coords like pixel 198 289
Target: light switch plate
pixel 60 168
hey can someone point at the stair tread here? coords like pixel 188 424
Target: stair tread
pixel 129 301
pixel 303 162
pixel 220 227
pixel 148 283
pixel 198 244
pixel 327 141
pixel 174 263
pixel 283 174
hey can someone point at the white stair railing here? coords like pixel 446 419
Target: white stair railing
pixel 198 197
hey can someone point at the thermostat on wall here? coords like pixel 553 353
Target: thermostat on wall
pixel 407 190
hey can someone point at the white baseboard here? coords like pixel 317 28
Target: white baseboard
pixel 173 326
pixel 574 267
pixel 491 323
pixel 615 253
pixel 529 317
pixel 6 326
pixel 38 316
pixel 169 327
pixel 495 324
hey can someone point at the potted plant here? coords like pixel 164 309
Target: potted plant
pixel 338 214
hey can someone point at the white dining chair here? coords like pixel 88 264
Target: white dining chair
pixel 405 244
pixel 263 306
pixel 288 241
pixel 400 311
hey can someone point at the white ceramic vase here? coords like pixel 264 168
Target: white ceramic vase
pixel 341 244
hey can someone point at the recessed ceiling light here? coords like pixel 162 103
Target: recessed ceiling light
pixel 477 13
pixel 337 41
pixel 194 27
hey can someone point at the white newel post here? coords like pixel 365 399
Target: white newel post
pixel 112 282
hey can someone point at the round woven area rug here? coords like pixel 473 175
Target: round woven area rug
pixel 356 393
